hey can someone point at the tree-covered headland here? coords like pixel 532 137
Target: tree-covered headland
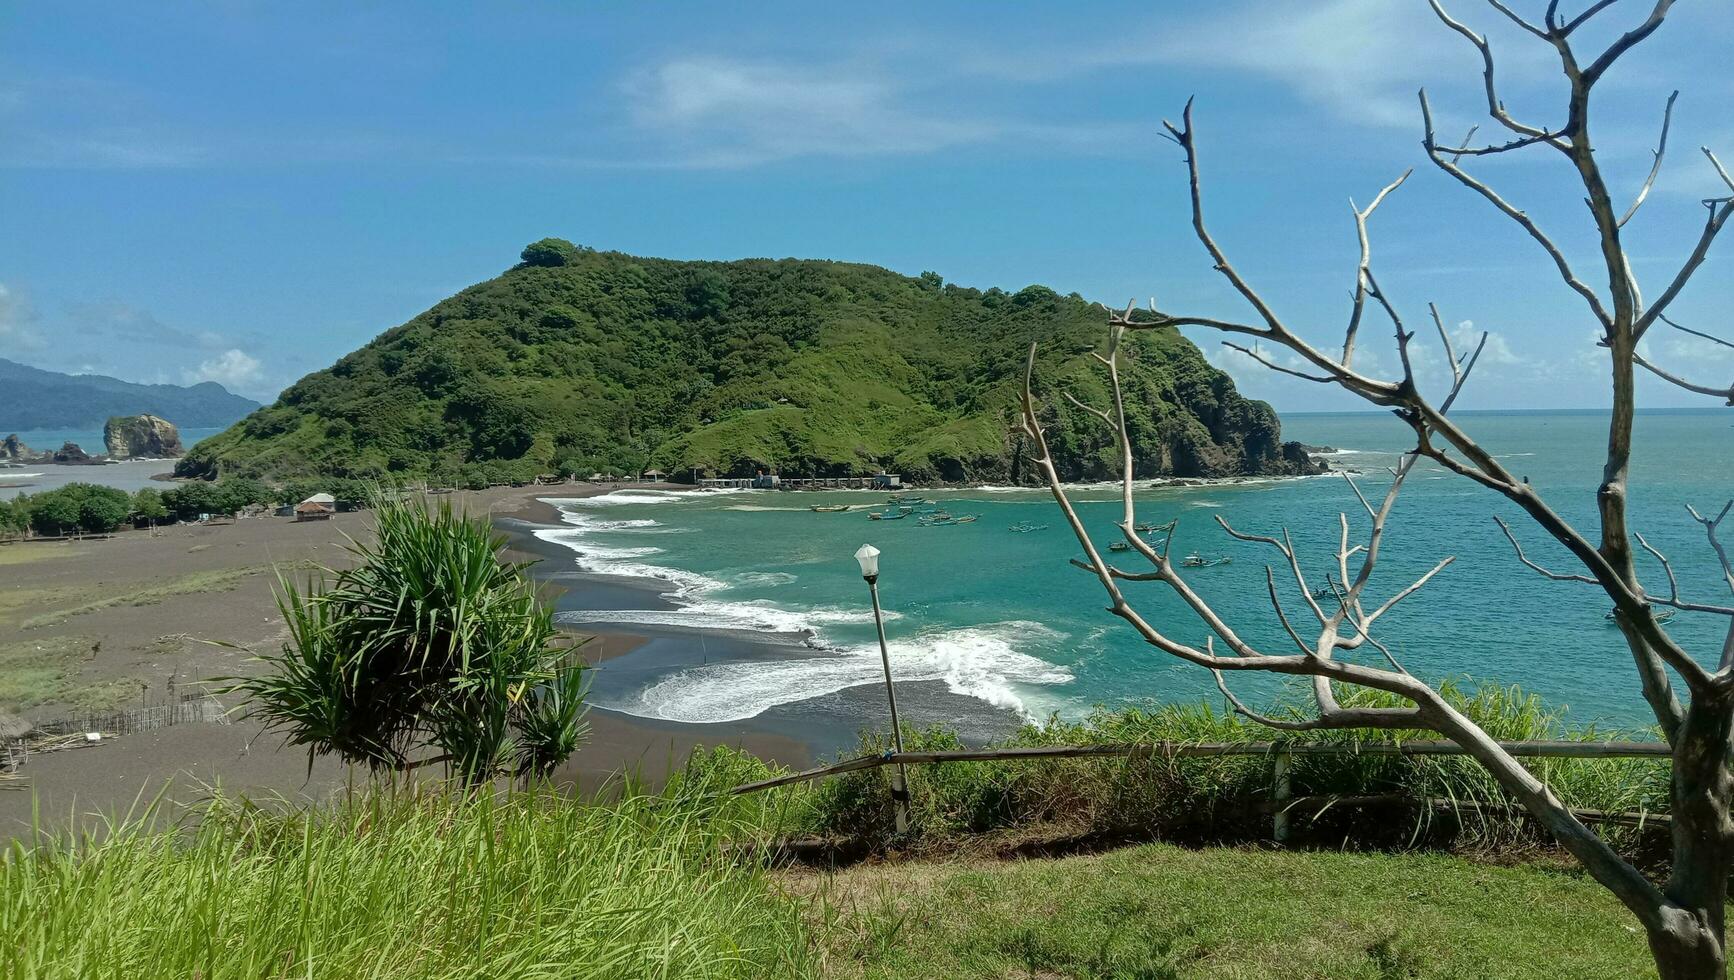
pixel 577 361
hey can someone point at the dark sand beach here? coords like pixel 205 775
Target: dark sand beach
pixel 103 625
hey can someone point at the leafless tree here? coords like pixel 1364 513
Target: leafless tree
pixel 1692 701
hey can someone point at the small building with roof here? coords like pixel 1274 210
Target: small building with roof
pixel 318 507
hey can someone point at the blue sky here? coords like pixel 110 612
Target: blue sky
pixel 244 191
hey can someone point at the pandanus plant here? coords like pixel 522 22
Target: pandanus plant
pixel 428 648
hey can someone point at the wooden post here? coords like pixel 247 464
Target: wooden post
pixel 1279 796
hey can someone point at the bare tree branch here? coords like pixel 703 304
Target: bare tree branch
pixel 1656 167
pixel 1363 271
pixel 1727 394
pixel 1495 106
pixel 1697 333
pixel 1523 220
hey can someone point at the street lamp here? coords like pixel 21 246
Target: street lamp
pixel 868 557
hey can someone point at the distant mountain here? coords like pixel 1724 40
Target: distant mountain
pixel 583 361
pixel 31 398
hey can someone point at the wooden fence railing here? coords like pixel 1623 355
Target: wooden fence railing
pixel 1281 753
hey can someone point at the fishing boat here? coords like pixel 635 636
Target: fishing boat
pixel 901 499
pixel 1326 591
pixel 1199 561
pixel 889 514
pixel 1025 527
pixel 1119 546
pixel 830 508
pixel 1662 615
pixel 945 520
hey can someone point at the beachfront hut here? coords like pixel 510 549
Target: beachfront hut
pixel 318 507
pixel 654 476
pixel 887 481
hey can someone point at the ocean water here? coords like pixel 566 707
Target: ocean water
pixel 130 476
pixel 1002 618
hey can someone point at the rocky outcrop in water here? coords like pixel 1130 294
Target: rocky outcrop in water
pixel 13 450
pixel 141 437
pixel 71 454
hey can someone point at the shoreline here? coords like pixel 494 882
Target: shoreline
pixel 633 655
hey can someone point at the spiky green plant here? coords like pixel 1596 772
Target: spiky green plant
pixel 428 644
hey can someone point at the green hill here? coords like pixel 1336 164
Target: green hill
pixel 583 361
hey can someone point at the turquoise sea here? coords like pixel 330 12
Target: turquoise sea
pixel 1000 617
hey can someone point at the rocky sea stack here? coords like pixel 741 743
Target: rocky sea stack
pixel 142 437
pixel 13 450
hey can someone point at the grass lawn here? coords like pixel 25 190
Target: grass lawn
pixel 1158 911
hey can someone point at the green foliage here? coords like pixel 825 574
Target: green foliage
pixel 14 517
pixel 528 885
pixel 401 885
pixel 598 362
pixel 428 641
pixel 147 505
pixel 1163 912
pixel 1222 799
pixel 550 251
pixel 76 508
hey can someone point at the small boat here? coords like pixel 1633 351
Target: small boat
pixel 830 508
pixel 1326 591
pixel 1199 561
pixel 1119 546
pixel 945 520
pixel 1661 615
pixel 900 499
pixel 888 514
pixel 1025 527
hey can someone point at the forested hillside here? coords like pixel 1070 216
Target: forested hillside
pixel 31 398
pixel 581 361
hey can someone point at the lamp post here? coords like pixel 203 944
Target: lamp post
pixel 868 557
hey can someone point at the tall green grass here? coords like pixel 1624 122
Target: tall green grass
pixel 1218 799
pixel 402 885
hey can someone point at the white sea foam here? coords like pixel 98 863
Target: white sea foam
pixel 979 662
pixel 762 579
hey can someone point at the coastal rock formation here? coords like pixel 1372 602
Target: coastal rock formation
pixel 141 436
pixel 71 454
pixel 13 450
pixel 579 361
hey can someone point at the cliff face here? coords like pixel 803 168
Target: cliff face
pixel 136 436
pixel 13 450
pixel 580 361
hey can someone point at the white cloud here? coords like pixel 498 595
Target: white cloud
pixel 232 369
pixel 16 319
pixel 731 112
pixel 1497 353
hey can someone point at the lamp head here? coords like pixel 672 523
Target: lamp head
pixel 868 556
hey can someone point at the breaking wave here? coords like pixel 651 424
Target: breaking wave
pixel 982 662
pixel 979 662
